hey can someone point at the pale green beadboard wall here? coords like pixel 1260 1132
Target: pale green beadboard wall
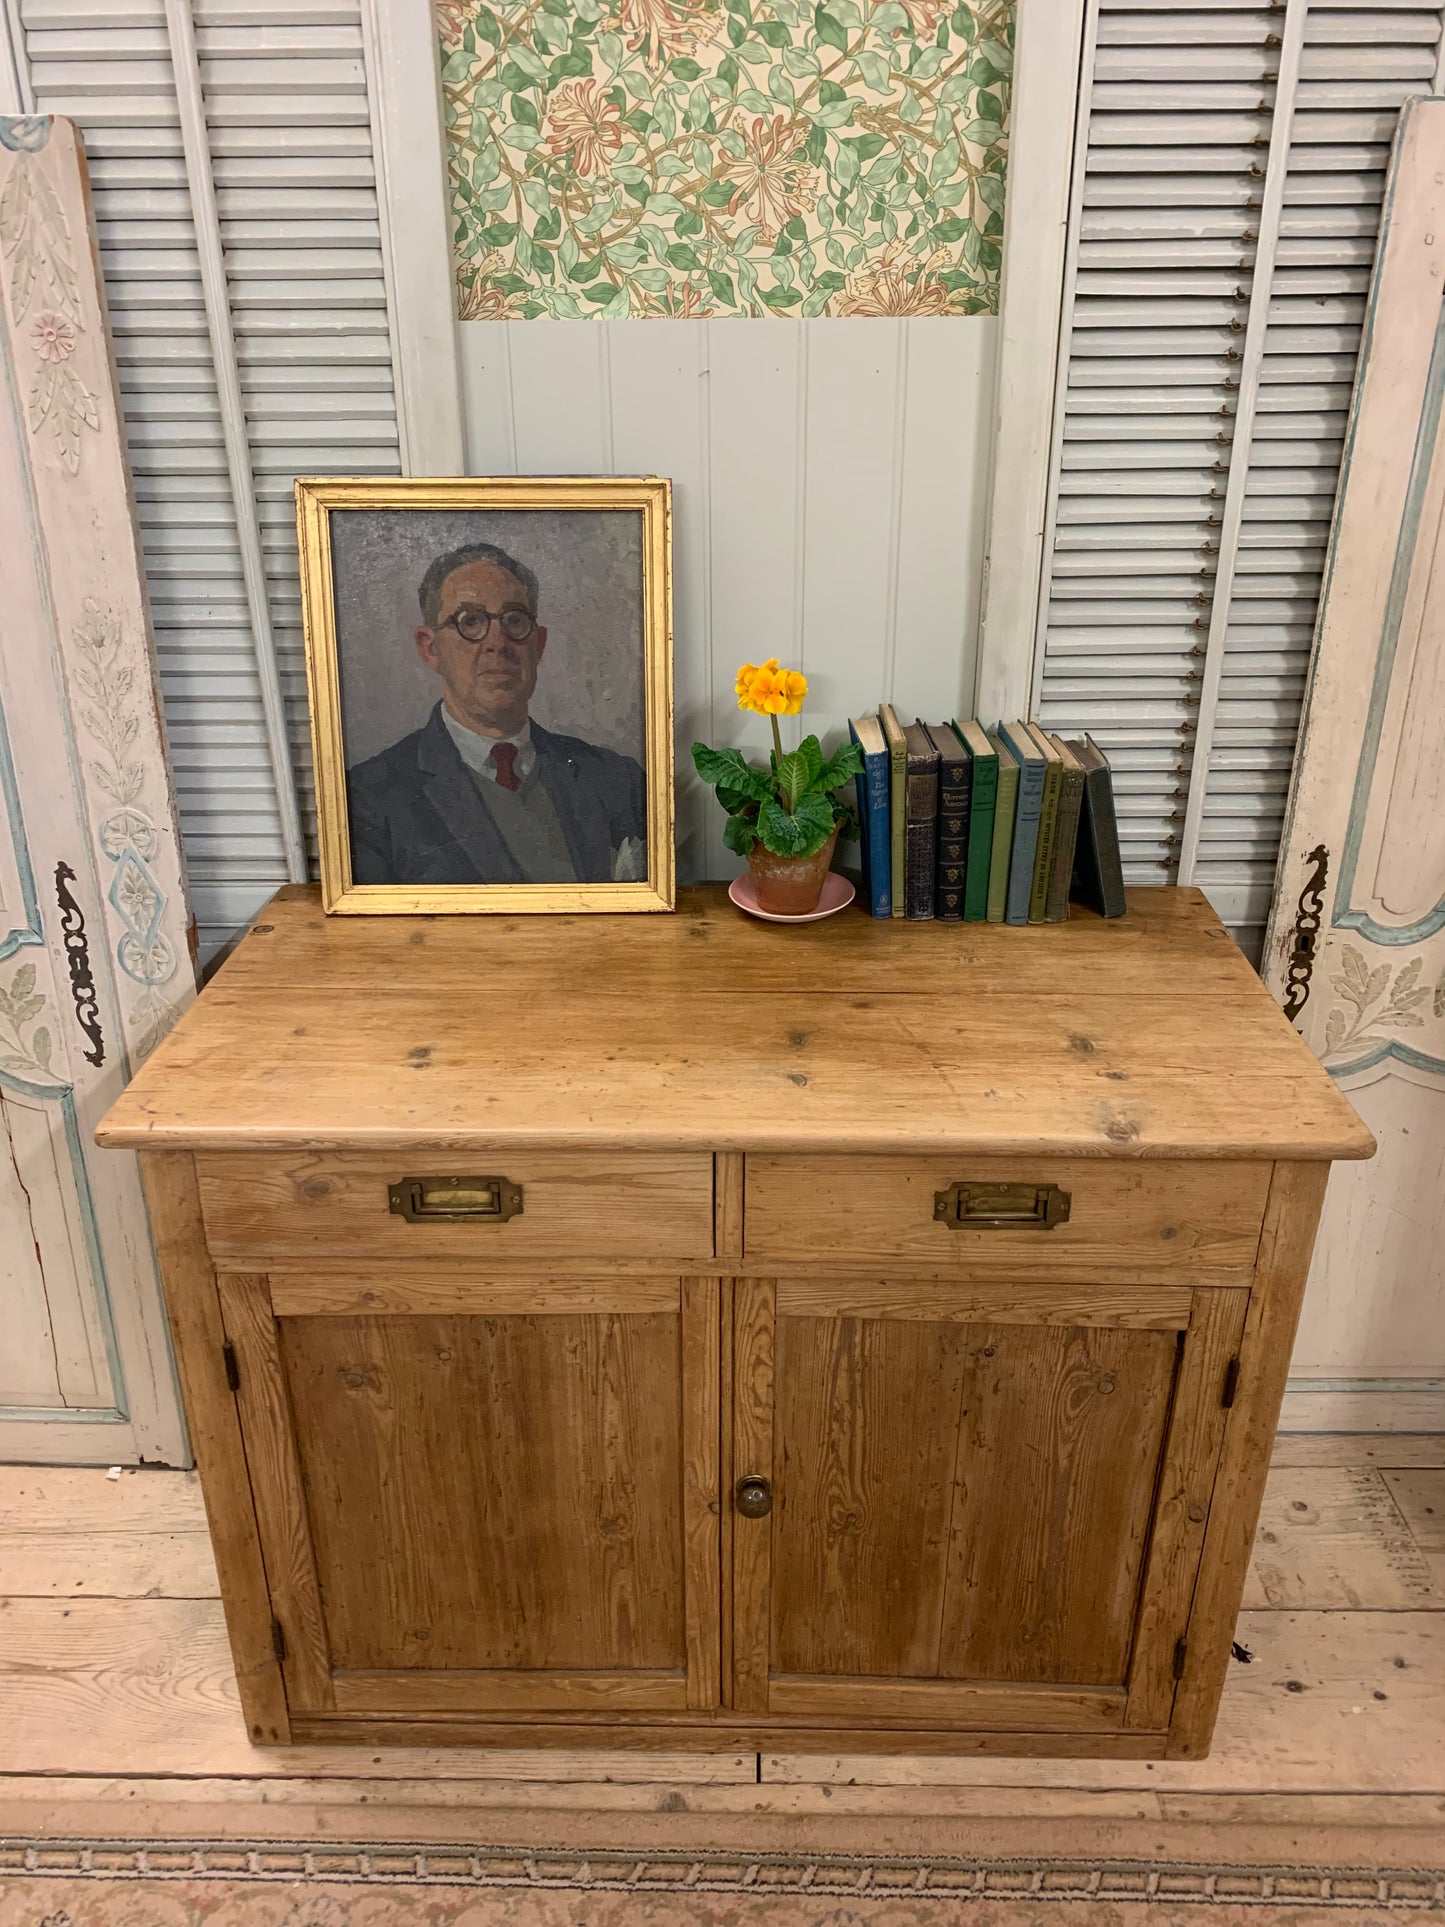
pixel 680 158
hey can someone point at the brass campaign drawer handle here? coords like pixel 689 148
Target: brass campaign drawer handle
pixel 1001 1207
pixel 455 1200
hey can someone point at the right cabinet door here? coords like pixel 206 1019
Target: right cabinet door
pixel 972 1506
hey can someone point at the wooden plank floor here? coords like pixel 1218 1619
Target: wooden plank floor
pixel 116 1691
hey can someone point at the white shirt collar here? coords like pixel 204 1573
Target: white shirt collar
pixel 475 749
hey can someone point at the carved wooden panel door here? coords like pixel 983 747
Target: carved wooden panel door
pixel 1356 947
pixel 94 957
pixel 977 1505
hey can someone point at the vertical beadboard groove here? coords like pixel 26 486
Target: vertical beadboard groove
pixel 800 498
pixel 195 141
pixel 604 385
pixel 511 396
pixel 704 440
pixel 1247 397
pixel 895 508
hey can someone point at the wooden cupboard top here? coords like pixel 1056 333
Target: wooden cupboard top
pixel 1148 1036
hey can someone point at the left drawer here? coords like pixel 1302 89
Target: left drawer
pixel 480 1205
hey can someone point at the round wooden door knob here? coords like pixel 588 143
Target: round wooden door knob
pixel 754 1497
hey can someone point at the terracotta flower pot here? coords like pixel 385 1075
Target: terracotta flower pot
pixel 790 886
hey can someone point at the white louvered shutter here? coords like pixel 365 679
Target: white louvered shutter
pixel 1178 125
pixel 288 131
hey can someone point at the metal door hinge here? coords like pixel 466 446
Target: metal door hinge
pixel 1231 1383
pixel 278 1641
pixel 233 1370
pixel 1181 1653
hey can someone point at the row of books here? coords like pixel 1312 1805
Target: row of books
pixel 969 824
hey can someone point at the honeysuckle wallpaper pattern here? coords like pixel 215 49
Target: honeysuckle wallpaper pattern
pixel 726 157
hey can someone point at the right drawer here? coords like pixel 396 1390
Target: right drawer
pixel 1057 1214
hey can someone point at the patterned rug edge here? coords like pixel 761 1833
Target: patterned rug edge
pixel 378 1864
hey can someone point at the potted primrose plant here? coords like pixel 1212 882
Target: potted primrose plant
pixel 784 819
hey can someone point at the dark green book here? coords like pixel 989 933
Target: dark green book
pixel 955 793
pixel 984 758
pixel 897 786
pixel 1048 824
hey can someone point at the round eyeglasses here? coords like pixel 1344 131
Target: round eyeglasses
pixel 474 624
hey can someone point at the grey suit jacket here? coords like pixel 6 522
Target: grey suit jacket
pixel 416 815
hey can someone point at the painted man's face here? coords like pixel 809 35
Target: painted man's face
pixel 489 682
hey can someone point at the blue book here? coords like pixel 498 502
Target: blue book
pixel 1033 767
pixel 867 733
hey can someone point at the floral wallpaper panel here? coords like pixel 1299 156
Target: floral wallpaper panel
pixel 726 157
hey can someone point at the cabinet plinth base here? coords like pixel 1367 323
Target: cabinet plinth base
pixel 721 1735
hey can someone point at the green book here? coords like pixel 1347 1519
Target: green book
pixel 984 756
pixel 897 799
pixel 1048 824
pixel 1005 803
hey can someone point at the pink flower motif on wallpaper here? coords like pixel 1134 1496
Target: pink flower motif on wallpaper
pixel 52 337
pixel 583 127
pixel 659 29
pixel 776 182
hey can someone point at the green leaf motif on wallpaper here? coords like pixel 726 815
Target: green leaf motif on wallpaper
pixel 726 157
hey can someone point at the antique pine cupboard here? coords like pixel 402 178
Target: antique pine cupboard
pixel 667 1330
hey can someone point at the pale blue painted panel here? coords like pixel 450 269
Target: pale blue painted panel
pixel 946 447
pixel 657 384
pixel 755 528
pixel 561 400
pixel 850 517
pixel 830 481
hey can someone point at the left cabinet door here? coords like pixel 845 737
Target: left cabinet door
pixel 484 1498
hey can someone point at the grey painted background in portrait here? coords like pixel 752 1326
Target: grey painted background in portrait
pixel 589 572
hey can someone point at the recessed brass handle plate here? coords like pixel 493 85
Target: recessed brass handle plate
pixel 1001 1207
pixel 754 1497
pixel 455 1200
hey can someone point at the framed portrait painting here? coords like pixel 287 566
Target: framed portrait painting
pixel 490 670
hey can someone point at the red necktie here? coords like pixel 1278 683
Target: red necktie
pixel 504 755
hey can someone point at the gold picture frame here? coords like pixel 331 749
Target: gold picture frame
pixel 317 502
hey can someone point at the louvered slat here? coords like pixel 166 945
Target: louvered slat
pixel 1176 134
pixel 289 135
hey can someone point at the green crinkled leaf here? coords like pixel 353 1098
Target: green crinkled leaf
pixel 794 774
pixel 845 763
pixel 740 834
pixel 831 31
pixel 803 832
pixel 731 767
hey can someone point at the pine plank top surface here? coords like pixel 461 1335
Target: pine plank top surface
pixel 1147 1036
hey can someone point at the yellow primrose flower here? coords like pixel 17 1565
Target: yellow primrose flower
pixel 769 690
pixel 793 687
